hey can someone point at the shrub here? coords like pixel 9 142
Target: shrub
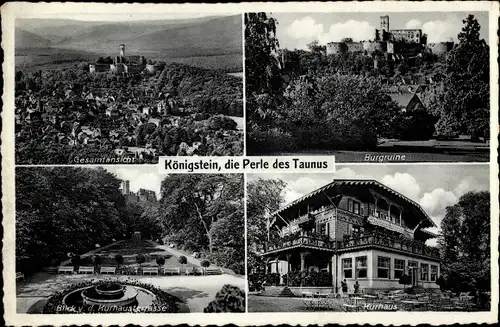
pixel 160 260
pixel 205 263
pixel 182 260
pixel 97 260
pixel 119 259
pixel 140 258
pixel 229 299
pixel 75 260
pixel 405 280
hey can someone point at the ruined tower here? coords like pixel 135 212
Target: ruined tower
pixel 122 48
pixel 384 23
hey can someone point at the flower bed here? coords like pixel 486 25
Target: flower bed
pixel 163 302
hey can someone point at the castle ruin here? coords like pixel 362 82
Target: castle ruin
pixel 123 64
pixel 394 44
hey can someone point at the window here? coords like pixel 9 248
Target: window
pixel 322 229
pixel 434 273
pixel 383 267
pixel 353 206
pixel 399 268
pixel 355 230
pixel 372 212
pixel 361 267
pixel 424 271
pixel 397 219
pixel 347 267
pixel 383 215
pixel 356 207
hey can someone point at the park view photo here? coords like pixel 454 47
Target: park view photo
pixel 92 91
pixel 105 240
pixel 413 86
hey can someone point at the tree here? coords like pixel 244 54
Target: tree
pixel 182 260
pixel 119 260
pixel 205 263
pixel 464 106
pixel 160 260
pixel 193 203
pixel 465 243
pixel 261 54
pixel 140 259
pixel 97 261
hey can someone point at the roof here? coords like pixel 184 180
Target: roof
pixel 357 182
pixel 402 99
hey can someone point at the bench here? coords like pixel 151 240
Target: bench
pixel 150 270
pixel 65 270
pixel 86 270
pixel 19 276
pixel 108 270
pixel 171 271
pixel 213 271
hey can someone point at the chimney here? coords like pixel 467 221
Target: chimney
pixel 122 50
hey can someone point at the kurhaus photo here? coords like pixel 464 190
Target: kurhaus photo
pixel 371 237
pixel 105 89
pixel 366 87
pixel 128 240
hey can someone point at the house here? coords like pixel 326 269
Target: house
pixel 358 230
pixel 155 121
pixel 408 101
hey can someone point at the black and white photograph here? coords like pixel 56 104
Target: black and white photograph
pixel 369 87
pixel 370 238
pixel 128 240
pixel 125 89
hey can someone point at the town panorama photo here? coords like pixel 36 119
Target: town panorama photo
pixel 101 89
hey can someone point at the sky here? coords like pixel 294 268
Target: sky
pixel 144 176
pixel 140 14
pixel 433 186
pixel 296 30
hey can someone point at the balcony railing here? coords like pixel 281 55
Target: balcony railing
pixel 405 245
pixel 389 225
pixel 300 240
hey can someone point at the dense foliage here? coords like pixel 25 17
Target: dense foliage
pixel 465 244
pixel 263 197
pixel 63 210
pixel 228 299
pixel 463 102
pixel 204 213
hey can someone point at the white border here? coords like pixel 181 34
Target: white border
pixel 25 10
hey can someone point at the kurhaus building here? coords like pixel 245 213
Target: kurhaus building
pixel 358 230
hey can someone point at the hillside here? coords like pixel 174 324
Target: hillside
pixel 26 39
pixel 194 37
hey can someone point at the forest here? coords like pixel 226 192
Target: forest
pixel 68 209
pixel 347 99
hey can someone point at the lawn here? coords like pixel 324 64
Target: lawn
pixel 129 250
pixel 280 304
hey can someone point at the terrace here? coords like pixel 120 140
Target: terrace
pixel 380 240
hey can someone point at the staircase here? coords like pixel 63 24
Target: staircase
pixel 277 291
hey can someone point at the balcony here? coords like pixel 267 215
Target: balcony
pixel 385 241
pixel 297 241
